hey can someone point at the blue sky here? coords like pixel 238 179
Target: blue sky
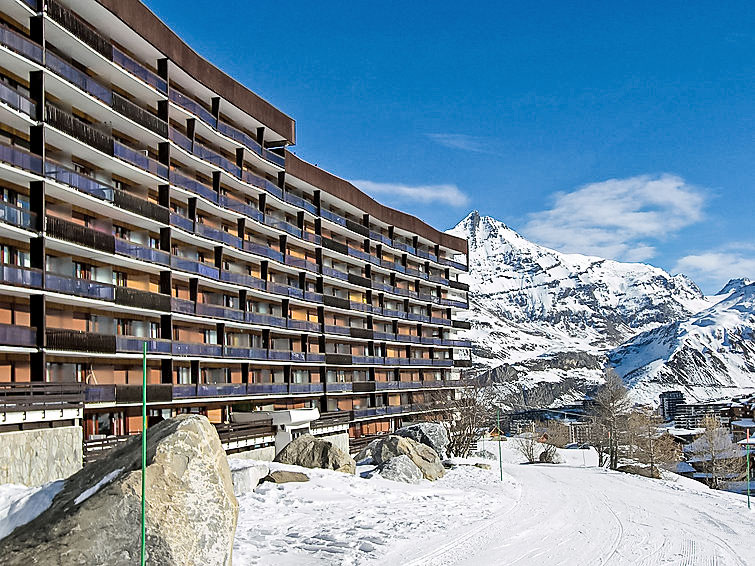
pixel 617 129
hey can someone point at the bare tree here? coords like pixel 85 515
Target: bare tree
pixel 611 405
pixel 648 444
pixel 556 433
pixel 466 415
pixel 526 444
pixel 598 438
pixel 716 455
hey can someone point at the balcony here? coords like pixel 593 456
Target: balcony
pixel 214 158
pixel 452 263
pixel 133 344
pixel 182 306
pixel 181 222
pixel 71 232
pixel 267 389
pixel 265 319
pixel 242 279
pixel 315 357
pixel 441 321
pixel 241 208
pixel 263 251
pixel 193 107
pixel 295 388
pixel 307 325
pixel 142 299
pixel 80 287
pixel 20 44
pixel 193 266
pixel 139 71
pixel 76 340
pixel 21 276
pixel 14 335
pixel 220 389
pixel 338 386
pixel 219 311
pixel 139 115
pixel 16 216
pixel 261 183
pixel 77 128
pixel 301 263
pixel 217 235
pixel 17 101
pixel 140 160
pixel 197 349
pixel 78 78
pixel 300 202
pixel 333 217
pixel 244 433
pixel 337 329
pixel 282 225
pixel 144 253
pixel 20 158
pixel 284 290
pixel 335 273
pixel 24 397
pixel 79 28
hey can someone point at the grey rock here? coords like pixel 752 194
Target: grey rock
pixel 401 468
pixel 310 452
pixel 365 455
pixel 424 457
pixel 482 466
pixel 247 475
pixel 486 454
pixel 190 507
pixel 284 476
pixel 433 435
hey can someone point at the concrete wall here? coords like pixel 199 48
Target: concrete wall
pixel 35 457
pixel 265 454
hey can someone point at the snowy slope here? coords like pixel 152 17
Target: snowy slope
pixel 568 514
pixel 712 354
pixel 544 320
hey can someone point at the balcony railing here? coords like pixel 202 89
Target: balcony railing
pixel 333 217
pixel 20 44
pixel 80 182
pixel 140 160
pixel 266 319
pixel 303 325
pixel 138 251
pixel 301 263
pixel 283 225
pixel 197 349
pixel 20 158
pixel 193 266
pixel 241 208
pixel 266 388
pixel 79 287
pixel 300 202
pixel 134 344
pixel 217 235
pixel 263 251
pixel 143 299
pixel 17 101
pixel 193 107
pixel 139 70
pixel 219 311
pixel 79 28
pixel 79 129
pixel 181 222
pixel 21 276
pixel 20 397
pixel 16 216
pixel 78 78
pixel 14 335
pixel 305 388
pixel 139 115
pixel 242 279
pixel 72 232
pixel 76 340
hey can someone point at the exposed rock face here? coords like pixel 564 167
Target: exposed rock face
pixel 310 452
pixel 433 435
pixel 95 519
pixel 424 457
pixel 247 475
pixel 401 468
pixel 36 457
pixel 284 476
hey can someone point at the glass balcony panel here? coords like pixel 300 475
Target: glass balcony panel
pixel 138 251
pixel 241 207
pixel 300 202
pixel 85 184
pixel 333 217
pixel 181 221
pixel 193 107
pixel 17 216
pixel 181 305
pixel 17 101
pixel 22 276
pixel 140 160
pixel 179 139
pixel 264 251
pixel 78 78
pixel 139 71
pixel 14 335
pixel 242 279
pixel 20 158
pixel 80 287
pixel 20 44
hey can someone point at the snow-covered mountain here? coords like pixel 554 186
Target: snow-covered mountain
pixel 711 354
pixel 544 321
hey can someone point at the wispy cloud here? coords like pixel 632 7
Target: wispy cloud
pixel 618 218
pixel 464 142
pixel 714 267
pixel 449 195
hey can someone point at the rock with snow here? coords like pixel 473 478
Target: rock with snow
pixel 247 475
pixel 401 468
pixel 486 454
pixel 310 452
pixel 285 476
pixel 94 519
pixel 424 457
pixel 433 435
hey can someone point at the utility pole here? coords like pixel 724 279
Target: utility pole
pixel 500 458
pixel 747 453
pixel 144 449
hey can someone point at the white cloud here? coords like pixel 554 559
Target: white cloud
pixel 618 218
pixel 465 142
pixel 450 195
pixel 713 268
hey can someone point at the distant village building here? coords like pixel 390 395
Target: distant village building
pixel 670 400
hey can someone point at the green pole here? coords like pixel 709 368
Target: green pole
pixel 500 458
pixel 747 452
pixel 144 447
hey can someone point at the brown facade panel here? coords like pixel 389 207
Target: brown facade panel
pixel 141 19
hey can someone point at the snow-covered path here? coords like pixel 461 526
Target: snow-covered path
pixel 571 515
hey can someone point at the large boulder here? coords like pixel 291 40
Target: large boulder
pixel 310 452
pixel 94 519
pixel 424 457
pixel 433 435
pixel 247 475
pixel 401 468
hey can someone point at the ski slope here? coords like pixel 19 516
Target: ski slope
pixel 568 514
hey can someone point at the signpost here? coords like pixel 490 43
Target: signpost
pixel 500 460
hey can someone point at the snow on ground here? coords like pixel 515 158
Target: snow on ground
pixel 569 514
pixel 20 504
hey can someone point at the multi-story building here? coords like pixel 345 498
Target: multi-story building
pixel 147 197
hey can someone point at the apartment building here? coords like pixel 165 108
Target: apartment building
pixel 147 197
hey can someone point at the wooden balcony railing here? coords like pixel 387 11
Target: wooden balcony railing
pixel 19 397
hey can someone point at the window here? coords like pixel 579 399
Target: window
pixel 120 278
pixel 121 232
pixel 82 270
